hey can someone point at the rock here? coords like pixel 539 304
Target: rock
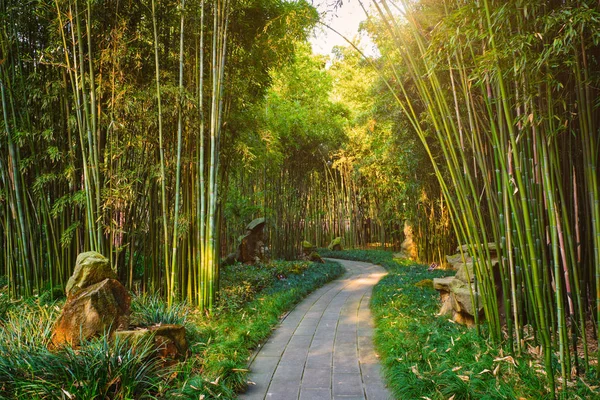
pixel 315 257
pixel 336 244
pixel 309 253
pixel 307 247
pixel 93 310
pixel 465 272
pixel 461 294
pixel 169 340
pixel 251 247
pixel 230 259
pixel 464 319
pixel 457 258
pixel 90 268
pixel 256 225
pixel 442 284
pixel 447 307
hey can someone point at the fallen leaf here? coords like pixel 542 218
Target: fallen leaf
pixel 456 369
pixel 464 378
pixel 508 359
pixel 496 370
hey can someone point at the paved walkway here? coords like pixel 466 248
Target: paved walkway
pixel 323 349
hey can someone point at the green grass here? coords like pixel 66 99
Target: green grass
pixel 425 356
pixel 253 298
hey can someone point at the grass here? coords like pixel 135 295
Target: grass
pixel 430 357
pixel 253 298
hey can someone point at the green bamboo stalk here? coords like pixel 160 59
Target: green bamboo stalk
pixel 163 177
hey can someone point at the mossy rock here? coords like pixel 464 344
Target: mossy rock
pixel 425 283
pixel 315 257
pixel 90 268
pixel 336 244
pixel 307 245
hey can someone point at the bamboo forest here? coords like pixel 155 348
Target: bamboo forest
pixel 197 203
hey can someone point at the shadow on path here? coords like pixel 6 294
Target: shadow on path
pixel 323 349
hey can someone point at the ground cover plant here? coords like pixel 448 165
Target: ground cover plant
pixel 429 357
pixel 253 298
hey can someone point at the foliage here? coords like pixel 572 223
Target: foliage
pixel 284 162
pixel 489 88
pixel 150 309
pixel 89 159
pixel 97 369
pixel 220 344
pixel 429 356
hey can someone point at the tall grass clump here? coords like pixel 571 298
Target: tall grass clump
pixel 150 309
pixel 503 96
pixel 98 369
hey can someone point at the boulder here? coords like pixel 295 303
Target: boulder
pixel 461 296
pixel 309 253
pixel 307 247
pixel 447 307
pixel 336 244
pixel 90 268
pixel 315 257
pixel 100 308
pixel 455 259
pixel 251 246
pixel 464 272
pixel 169 340
pixel 442 284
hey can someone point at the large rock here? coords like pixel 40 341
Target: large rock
pixel 461 294
pixel 442 284
pixel 169 340
pixel 336 244
pixel 309 253
pixel 464 272
pixel 251 246
pixel 100 308
pixel 307 247
pixel 90 268
pixel 455 259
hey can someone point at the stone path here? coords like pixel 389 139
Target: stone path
pixel 323 349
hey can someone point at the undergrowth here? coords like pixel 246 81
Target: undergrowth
pixel 252 299
pixel 429 357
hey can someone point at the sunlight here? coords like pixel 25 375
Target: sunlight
pixel 346 20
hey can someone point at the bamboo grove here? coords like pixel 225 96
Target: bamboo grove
pixel 115 117
pixel 350 174
pixel 504 97
pixel 134 130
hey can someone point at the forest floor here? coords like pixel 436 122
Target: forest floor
pixel 323 349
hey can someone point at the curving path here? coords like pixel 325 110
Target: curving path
pixel 323 349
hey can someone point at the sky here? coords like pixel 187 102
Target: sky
pixel 345 20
